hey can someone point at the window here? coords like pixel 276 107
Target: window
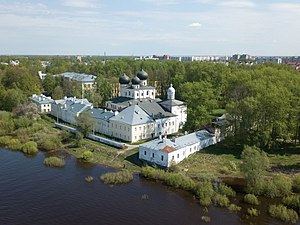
pixel 147 92
pixel 162 158
pixel 173 157
pixel 137 94
pixel 177 156
pixel 135 129
pixel 140 128
pixel 145 153
pixel 194 147
pixel 152 155
pixel 169 123
pixel 173 123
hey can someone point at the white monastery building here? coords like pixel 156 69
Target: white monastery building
pixel 43 103
pixel 133 116
pixel 166 152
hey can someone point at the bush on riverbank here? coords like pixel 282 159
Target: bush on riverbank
pixel 30 148
pixel 251 199
pixel 252 212
pixel 234 208
pixel 220 200
pixel 121 177
pixel 205 192
pixel 89 179
pixel 225 190
pixel 292 201
pixel 14 144
pixel 87 155
pixel 283 213
pixel 4 141
pixel 278 186
pixel 54 161
pixel 296 183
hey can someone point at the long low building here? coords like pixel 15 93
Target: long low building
pixel 166 152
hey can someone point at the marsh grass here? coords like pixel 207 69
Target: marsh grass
pixel 120 177
pixel 54 161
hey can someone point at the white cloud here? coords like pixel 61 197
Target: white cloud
pixel 80 3
pixel 195 25
pixel 162 2
pixel 292 7
pixel 238 4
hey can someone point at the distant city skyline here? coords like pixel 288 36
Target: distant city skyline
pixel 150 27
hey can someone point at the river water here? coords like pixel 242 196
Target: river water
pixel 32 194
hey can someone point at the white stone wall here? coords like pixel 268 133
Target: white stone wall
pixel 166 126
pixel 181 112
pixel 153 156
pixel 45 108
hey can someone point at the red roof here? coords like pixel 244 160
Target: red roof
pixel 168 149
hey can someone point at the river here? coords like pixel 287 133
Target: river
pixel 33 194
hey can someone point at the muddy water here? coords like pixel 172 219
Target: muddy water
pixel 31 193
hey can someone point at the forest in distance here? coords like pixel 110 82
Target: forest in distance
pixel 262 102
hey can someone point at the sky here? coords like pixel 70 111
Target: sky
pixel 147 27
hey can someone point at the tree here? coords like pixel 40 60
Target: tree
pixel 85 123
pixel 49 84
pixel 255 163
pixel 58 93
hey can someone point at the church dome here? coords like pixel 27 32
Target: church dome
pixel 143 75
pixel 124 79
pixel 171 92
pixel 135 80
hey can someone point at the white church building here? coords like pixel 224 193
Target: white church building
pixel 133 116
pixel 142 115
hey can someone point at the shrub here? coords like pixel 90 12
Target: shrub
pixel 205 219
pixel 283 213
pixel 30 147
pixel 87 155
pixel 89 179
pixel 226 190
pixel 204 191
pixel 279 186
pixel 221 200
pixel 224 170
pixel 14 144
pixel 4 141
pixel 252 212
pixel 22 122
pixel 120 177
pixel 292 201
pixel 49 144
pixel 54 161
pixel 296 183
pixel 234 208
pixel 251 199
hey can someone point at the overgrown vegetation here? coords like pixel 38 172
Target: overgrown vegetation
pixel 30 148
pixel 54 161
pixel 251 199
pixel 120 177
pixel 283 213
pixel 252 212
pixel 292 201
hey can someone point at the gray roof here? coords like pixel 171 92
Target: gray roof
pixel 125 101
pixel 101 114
pixel 133 115
pixel 171 102
pixel 155 110
pixel 41 99
pixel 179 142
pixel 77 108
pixel 82 77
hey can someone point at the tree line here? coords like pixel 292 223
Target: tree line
pixel 262 102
